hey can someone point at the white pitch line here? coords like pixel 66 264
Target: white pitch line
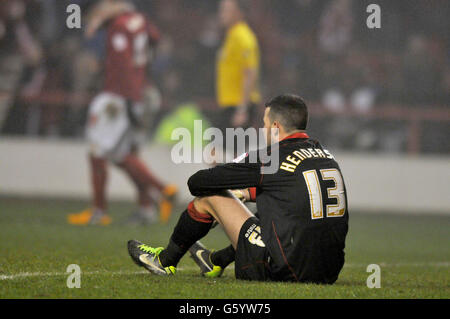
pixel 53 274
pixel 119 273
pixel 98 272
pixel 404 264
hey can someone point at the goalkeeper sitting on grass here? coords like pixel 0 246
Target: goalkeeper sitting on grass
pixel 299 234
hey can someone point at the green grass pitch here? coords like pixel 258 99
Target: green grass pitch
pixel 37 245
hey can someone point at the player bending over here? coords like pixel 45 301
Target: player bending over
pixel 115 120
pixel 299 234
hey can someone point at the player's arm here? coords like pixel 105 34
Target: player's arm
pixel 103 12
pixel 249 82
pixel 249 77
pixel 228 176
pixel 248 52
pixel 154 35
pixel 241 115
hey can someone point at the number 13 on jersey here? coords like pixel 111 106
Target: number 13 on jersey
pixel 315 193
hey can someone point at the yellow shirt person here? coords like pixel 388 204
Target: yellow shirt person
pixel 239 52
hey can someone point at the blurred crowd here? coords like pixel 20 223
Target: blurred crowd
pixel 320 49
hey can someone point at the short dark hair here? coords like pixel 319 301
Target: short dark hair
pixel 290 110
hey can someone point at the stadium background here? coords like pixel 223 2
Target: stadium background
pixel 379 99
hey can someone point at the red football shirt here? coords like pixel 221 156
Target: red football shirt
pixel 128 40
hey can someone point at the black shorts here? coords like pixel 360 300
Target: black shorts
pixel 252 257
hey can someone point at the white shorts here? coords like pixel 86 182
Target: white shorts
pixel 109 130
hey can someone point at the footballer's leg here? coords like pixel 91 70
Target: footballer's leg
pixel 96 214
pixel 145 181
pixel 146 212
pixel 99 178
pixel 105 127
pixel 194 223
pixel 227 210
pixel 208 260
pixel 190 227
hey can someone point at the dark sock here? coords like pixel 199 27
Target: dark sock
pixel 223 257
pixel 185 234
pixel 171 255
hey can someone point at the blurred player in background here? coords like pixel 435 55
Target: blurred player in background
pixel 19 52
pixel 237 68
pixel 116 118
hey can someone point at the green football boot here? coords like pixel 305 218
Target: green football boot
pixel 148 257
pixel 202 258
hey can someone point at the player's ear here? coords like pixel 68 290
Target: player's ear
pixel 276 125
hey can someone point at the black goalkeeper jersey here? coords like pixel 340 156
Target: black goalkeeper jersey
pixel 302 207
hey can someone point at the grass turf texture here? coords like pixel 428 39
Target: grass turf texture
pixel 37 245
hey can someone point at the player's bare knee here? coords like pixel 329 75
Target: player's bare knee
pixel 201 204
pixel 219 197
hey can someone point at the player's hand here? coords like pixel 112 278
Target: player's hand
pixel 92 27
pixel 16 10
pixel 242 194
pixel 240 117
